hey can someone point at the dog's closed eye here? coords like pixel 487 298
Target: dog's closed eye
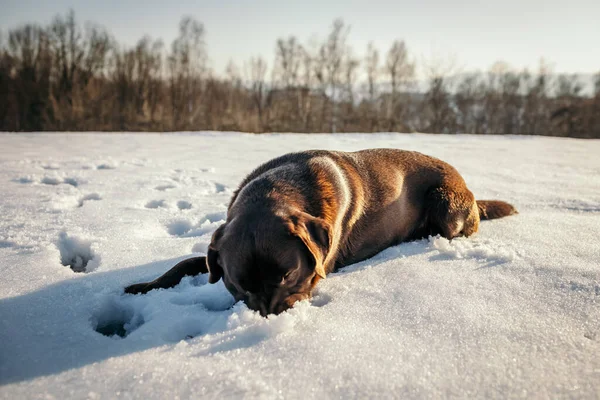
pixel 286 276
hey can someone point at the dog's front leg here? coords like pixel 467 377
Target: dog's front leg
pixel 189 267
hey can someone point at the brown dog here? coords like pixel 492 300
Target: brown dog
pixel 300 216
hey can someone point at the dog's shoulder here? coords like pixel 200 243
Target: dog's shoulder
pixel 286 168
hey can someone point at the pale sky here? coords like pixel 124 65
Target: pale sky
pixel 475 33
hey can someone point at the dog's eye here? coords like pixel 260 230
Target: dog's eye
pixel 285 277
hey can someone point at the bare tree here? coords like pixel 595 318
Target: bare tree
pixel 469 98
pixel 288 59
pixel 332 55
pixel 290 95
pixel 256 74
pixel 438 105
pixel 29 49
pixel 372 69
pixel 68 76
pixel 536 104
pixel 400 70
pixel 567 115
pixel 123 76
pixel 346 101
pixel 308 81
pixel 187 67
pixel 66 39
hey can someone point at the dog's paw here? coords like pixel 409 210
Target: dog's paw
pixel 139 288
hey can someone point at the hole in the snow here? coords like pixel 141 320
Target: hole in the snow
pixel 112 328
pixel 116 320
pixel 47 180
pixel 76 253
pixel 87 197
pixel 320 300
pixel 187 228
pixel 179 227
pixel 71 181
pixel 24 179
pixel 220 188
pixel 50 180
pixel 215 217
pixel 162 188
pixel 155 204
pixel 105 166
pixel 184 205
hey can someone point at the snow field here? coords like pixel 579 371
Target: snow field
pixel 512 312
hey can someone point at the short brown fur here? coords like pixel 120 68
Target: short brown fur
pixel 300 216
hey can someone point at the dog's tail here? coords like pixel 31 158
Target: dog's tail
pixel 492 209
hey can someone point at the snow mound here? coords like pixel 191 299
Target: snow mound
pixel 484 250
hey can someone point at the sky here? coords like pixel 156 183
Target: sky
pixel 472 34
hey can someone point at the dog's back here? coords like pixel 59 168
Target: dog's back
pixel 372 198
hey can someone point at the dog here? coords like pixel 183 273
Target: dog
pixel 303 215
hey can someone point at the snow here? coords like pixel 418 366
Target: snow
pixel 510 312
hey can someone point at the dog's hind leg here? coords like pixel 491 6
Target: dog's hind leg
pixel 451 211
pixel 189 267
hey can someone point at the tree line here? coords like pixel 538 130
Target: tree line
pixel 72 77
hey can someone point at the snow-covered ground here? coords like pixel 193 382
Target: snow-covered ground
pixel 511 312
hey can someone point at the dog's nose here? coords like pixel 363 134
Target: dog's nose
pixel 257 302
pixel 263 310
pixel 272 303
pixel 282 301
pixel 286 301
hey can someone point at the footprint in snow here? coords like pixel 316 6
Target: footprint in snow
pixel 116 319
pixel 163 188
pixel 24 179
pixel 184 205
pixel 53 181
pixel 215 217
pixel 48 180
pixel 154 204
pixel 220 188
pixel 320 300
pixel 77 253
pixel 187 228
pixel 105 166
pixel 51 167
pixel 179 227
pixel 88 197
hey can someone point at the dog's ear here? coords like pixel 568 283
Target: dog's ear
pixel 212 257
pixel 316 235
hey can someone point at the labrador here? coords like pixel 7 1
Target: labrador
pixel 303 215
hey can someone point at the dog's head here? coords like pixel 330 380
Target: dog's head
pixel 270 261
